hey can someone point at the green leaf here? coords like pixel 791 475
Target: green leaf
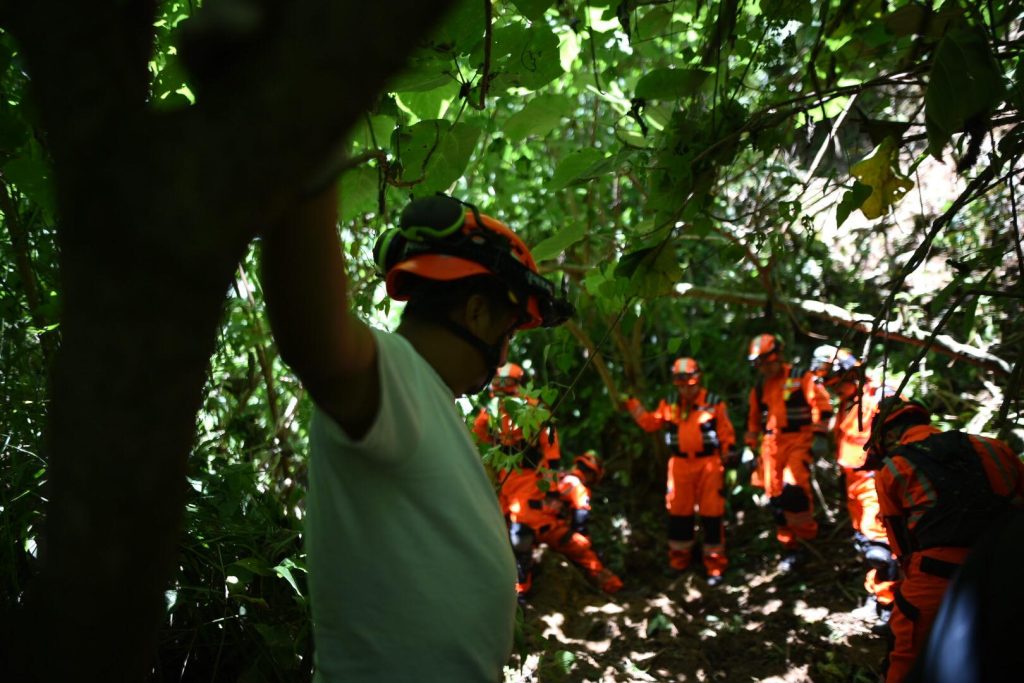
pixel 426 71
pixel 358 192
pixel 965 83
pixel 669 84
pixel 652 24
pixel 852 201
pixel 436 153
pixel 553 246
pixel 463 28
pixel 541 115
pixel 575 166
pixel 284 570
pixel 629 263
pixel 31 175
pixel 524 57
pixel 430 104
pixel 533 9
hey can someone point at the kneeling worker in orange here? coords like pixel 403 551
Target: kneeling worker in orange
pixel 530 495
pixel 701 437
pixel 789 410
pixel 533 503
pixel 939 492
pixel 859 395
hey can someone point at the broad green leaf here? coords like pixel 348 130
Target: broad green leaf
pixel 553 246
pixel 652 24
pixel 533 9
pixel 358 192
pixel 965 83
pixel 526 57
pixel 435 153
pixel 541 115
pixel 426 70
pixel 852 201
pixel 463 28
pixel 784 11
pixel 575 166
pixel 670 84
pixel 430 104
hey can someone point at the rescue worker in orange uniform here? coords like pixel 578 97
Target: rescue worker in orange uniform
pixel 789 411
pixel 939 492
pixel 529 494
pixel 701 439
pixel 493 424
pixel 532 499
pixel 842 372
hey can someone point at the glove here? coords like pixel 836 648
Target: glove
pixel 579 521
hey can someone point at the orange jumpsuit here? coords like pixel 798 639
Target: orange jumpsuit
pixel 503 432
pixel 787 410
pixel 938 493
pixel 852 431
pixel 699 434
pixel 533 503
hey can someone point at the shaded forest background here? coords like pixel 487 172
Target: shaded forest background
pixel 690 172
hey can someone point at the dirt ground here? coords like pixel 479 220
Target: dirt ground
pixel 759 625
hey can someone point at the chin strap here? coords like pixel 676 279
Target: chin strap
pixel 491 353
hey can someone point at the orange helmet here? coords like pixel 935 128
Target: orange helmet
pixel 892 411
pixel 441 238
pixel 508 379
pixel 588 461
pixel 685 372
pixel 764 348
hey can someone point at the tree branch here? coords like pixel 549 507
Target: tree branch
pixel 942 343
pixel 598 359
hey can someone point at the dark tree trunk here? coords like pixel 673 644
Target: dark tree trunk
pixel 155 212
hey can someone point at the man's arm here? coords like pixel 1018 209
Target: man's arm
pixel 305 287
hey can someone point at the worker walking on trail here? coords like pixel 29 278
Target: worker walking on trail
pixel 700 437
pixel 939 493
pixel 402 524
pixel 789 412
pixel 842 372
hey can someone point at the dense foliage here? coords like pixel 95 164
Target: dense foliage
pixel 690 172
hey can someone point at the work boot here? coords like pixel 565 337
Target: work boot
pixel 790 561
pixel 881 626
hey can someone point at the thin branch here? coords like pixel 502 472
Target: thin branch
pixel 597 357
pixel 485 78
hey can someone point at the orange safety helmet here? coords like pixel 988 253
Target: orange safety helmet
pixel 764 348
pixel 685 372
pixel 444 239
pixel 508 379
pixel 832 362
pixel 589 461
pixel 892 411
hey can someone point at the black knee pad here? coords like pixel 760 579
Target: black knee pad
pixel 794 499
pixel 712 527
pixel 680 528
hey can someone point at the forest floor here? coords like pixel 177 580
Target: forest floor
pixel 759 625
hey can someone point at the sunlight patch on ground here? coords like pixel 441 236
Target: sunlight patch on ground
pixel 809 614
pixel 796 675
pixel 771 607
